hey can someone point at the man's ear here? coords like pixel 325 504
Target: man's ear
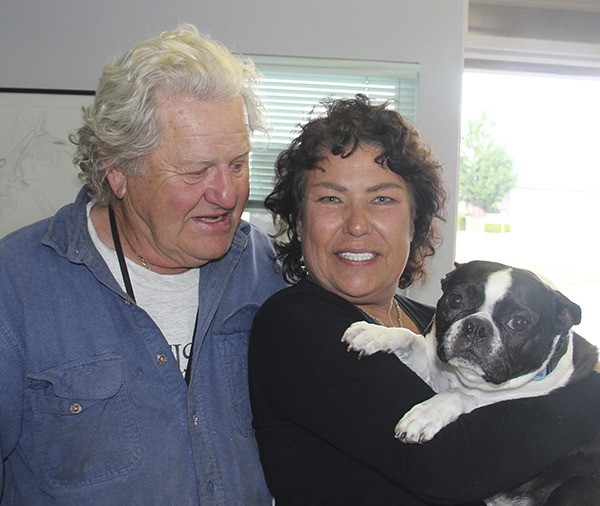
pixel 117 181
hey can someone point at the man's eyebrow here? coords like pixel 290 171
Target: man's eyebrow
pixel 209 160
pixel 245 153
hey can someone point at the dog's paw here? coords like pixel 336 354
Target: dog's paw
pixel 419 425
pixel 367 339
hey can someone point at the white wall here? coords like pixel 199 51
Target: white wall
pixel 63 44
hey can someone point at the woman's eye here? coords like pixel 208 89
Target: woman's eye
pixel 518 323
pixel 329 199
pixel 383 200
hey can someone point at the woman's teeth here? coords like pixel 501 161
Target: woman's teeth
pixel 357 257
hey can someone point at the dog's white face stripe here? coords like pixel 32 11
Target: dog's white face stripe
pixel 496 287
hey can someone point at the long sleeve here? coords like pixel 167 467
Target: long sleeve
pixel 11 364
pixel 300 372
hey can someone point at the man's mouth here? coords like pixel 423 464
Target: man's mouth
pixel 212 219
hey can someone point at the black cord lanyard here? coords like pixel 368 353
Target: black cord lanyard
pixel 117 240
pixel 129 288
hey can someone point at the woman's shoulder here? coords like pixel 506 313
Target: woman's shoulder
pixel 421 314
pixel 306 301
pixel 307 297
pixel 305 291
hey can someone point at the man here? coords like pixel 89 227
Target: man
pixel 102 304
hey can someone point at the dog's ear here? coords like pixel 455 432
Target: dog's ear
pixel 449 275
pixel 566 313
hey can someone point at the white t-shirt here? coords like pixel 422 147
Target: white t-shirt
pixel 171 300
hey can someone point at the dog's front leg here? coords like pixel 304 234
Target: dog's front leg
pixel 414 350
pixel 426 419
pixel 367 338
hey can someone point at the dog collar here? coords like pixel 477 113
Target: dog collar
pixel 559 350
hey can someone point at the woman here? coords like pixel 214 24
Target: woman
pixel 358 196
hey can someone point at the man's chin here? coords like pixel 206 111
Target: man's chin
pixel 215 251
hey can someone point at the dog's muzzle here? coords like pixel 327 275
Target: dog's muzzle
pixel 471 340
pixel 477 329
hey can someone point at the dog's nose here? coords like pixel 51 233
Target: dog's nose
pixel 477 329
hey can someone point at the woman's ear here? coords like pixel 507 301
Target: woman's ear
pixel 117 181
pixel 299 229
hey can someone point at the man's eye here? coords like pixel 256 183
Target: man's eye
pixel 192 177
pixel 518 323
pixel 241 165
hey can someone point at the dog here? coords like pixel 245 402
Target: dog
pixel 498 333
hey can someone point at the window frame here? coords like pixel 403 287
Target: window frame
pixel 407 95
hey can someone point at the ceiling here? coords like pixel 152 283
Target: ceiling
pixel 545 35
pixel 566 5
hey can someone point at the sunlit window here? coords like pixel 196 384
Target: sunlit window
pixel 547 221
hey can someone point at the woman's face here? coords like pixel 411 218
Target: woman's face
pixel 356 227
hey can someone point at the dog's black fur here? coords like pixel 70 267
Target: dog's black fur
pixel 504 334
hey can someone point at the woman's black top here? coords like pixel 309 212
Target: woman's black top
pixel 325 419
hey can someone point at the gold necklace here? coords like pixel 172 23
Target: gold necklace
pixel 398 315
pixel 139 257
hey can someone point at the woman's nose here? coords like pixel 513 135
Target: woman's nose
pixel 357 221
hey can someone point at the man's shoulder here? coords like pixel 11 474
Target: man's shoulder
pixel 23 240
pixel 254 236
pixel 32 241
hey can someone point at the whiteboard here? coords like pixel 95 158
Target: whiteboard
pixel 37 174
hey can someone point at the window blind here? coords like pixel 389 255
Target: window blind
pixel 291 92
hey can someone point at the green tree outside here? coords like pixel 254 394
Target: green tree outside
pixel 486 167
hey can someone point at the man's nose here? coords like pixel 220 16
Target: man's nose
pixel 222 187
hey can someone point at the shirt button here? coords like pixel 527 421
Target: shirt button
pixel 195 420
pixel 75 408
pixel 127 303
pixel 161 359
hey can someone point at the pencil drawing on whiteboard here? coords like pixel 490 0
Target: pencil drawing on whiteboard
pixel 37 175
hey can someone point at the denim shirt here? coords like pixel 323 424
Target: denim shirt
pixel 93 407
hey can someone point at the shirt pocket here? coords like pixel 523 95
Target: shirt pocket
pixel 233 350
pixel 84 429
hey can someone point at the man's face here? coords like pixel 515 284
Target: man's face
pixel 185 209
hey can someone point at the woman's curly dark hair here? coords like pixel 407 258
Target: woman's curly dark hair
pixel 346 124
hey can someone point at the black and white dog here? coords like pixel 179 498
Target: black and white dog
pixel 499 333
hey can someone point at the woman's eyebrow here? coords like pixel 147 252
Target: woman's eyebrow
pixel 372 189
pixel 330 186
pixel 385 186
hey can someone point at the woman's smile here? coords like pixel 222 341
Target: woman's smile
pixel 355 231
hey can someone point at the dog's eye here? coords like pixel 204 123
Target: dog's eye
pixel 455 300
pixel 518 323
